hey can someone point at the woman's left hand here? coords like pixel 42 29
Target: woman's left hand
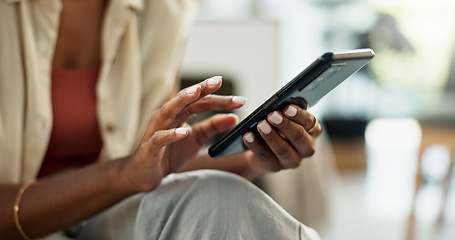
pixel 289 136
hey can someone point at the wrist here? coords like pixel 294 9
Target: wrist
pixel 132 178
pixel 17 207
pixel 255 168
pixel 121 178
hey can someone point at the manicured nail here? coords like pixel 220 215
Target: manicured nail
pixel 213 81
pixel 192 90
pixel 265 127
pixel 235 116
pixel 239 100
pixel 276 118
pixel 291 111
pixel 249 137
pixel 181 131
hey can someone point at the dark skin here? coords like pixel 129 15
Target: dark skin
pixel 102 185
pixel 78 41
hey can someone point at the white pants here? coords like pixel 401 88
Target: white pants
pixel 205 204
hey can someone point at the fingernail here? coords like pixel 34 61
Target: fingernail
pixel 291 111
pixel 239 100
pixel 265 127
pixel 249 137
pixel 213 81
pixel 181 131
pixel 235 116
pixel 192 90
pixel 276 118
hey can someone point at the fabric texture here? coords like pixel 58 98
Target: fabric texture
pixel 142 44
pixel 74 114
pixel 204 204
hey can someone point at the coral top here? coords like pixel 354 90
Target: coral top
pixel 75 139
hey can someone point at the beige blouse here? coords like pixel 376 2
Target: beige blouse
pixel 142 44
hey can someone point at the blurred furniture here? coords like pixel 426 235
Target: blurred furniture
pixel 348 142
pixel 432 134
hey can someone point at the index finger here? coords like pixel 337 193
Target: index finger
pixel 166 115
pixel 162 118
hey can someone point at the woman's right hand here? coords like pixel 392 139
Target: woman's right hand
pixel 169 142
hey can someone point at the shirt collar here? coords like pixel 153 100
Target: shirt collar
pixel 134 4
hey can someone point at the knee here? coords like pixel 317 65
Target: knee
pixel 215 179
pixel 200 185
pixel 222 185
pixel 197 197
pixel 220 193
pixel 205 189
pixel 208 204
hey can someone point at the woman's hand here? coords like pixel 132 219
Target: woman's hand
pixel 169 142
pixel 289 136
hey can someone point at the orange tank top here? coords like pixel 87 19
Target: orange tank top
pixel 75 138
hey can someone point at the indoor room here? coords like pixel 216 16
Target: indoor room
pixel 113 116
pixel 383 167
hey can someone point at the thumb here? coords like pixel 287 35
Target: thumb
pixel 203 131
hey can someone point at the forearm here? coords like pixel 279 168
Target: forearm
pixel 237 163
pixel 58 202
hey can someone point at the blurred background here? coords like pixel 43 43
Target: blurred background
pixel 384 164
